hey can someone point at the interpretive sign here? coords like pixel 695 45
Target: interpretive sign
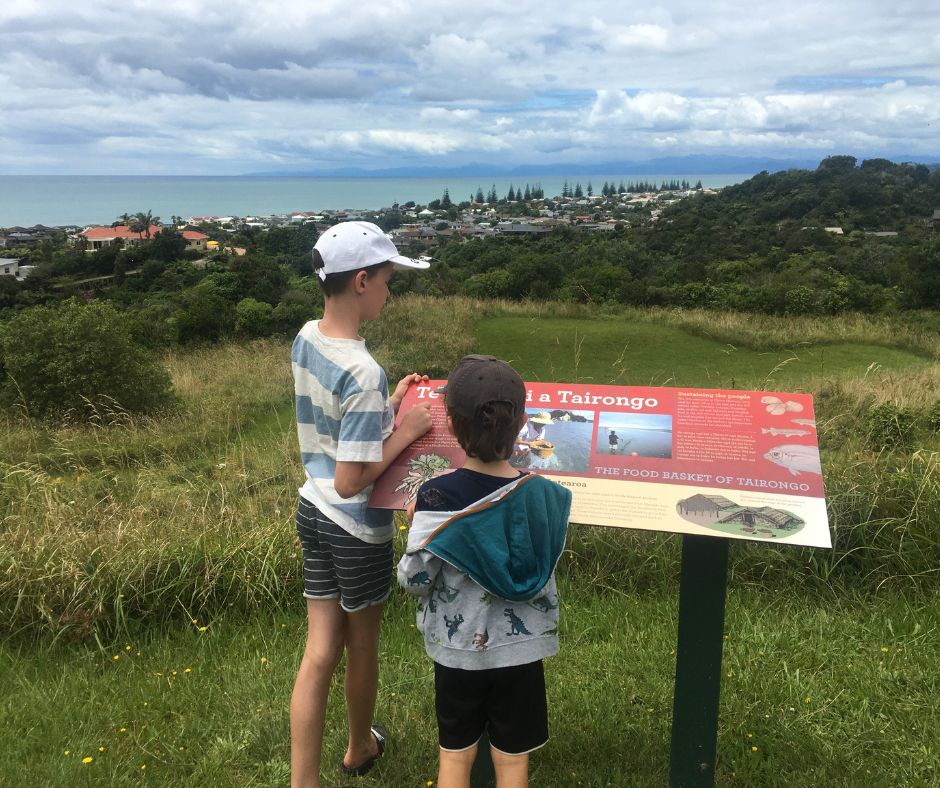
pixel 736 464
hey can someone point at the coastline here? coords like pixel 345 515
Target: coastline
pixel 60 200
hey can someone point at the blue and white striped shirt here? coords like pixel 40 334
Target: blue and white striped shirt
pixel 343 414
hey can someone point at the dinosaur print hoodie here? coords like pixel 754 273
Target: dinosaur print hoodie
pixel 484 576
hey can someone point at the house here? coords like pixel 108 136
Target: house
pixel 508 228
pixel 100 237
pixel 10 266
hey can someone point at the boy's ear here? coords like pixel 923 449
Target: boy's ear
pixel 450 425
pixel 523 419
pixel 359 281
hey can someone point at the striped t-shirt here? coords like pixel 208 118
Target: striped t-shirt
pixel 343 414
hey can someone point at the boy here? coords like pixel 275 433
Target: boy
pixel 345 419
pixel 481 557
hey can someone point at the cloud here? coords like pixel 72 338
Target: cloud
pixel 108 86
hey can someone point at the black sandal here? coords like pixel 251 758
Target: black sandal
pixel 380 735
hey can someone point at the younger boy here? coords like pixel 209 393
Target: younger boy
pixel 481 557
pixel 345 418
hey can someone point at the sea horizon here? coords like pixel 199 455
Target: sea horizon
pixel 57 200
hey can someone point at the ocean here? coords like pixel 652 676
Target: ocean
pixel 27 200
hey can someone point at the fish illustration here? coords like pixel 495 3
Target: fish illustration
pixel 795 458
pixel 777 407
pixel 783 431
pixel 805 422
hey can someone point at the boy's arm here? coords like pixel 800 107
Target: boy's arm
pixel 353 477
pixel 418 571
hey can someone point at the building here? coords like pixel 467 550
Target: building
pixel 100 237
pixel 10 266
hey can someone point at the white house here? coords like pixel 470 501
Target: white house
pixel 10 266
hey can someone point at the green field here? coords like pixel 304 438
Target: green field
pixel 630 352
pixel 132 550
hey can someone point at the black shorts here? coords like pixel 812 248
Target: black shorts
pixel 508 703
pixel 337 565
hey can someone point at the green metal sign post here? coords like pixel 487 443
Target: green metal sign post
pixel 702 585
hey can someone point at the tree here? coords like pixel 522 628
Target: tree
pixel 445 200
pixel 253 318
pixel 140 222
pixel 95 363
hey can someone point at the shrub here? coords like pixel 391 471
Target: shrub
pixel 933 417
pixel 78 359
pixel 889 426
pixel 253 318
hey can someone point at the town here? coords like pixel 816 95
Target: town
pixel 416 229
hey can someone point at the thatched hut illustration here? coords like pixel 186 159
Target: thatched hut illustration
pixel 763 516
pixel 726 515
pixel 705 508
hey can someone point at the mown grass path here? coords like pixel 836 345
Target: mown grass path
pixel 626 352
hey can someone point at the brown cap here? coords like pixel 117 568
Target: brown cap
pixel 477 380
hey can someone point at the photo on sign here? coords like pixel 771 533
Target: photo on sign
pixel 634 435
pixel 555 440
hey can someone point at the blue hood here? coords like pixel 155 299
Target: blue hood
pixel 509 543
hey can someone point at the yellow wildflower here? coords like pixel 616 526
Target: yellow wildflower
pixel 754 748
pixel 87 759
pixel 117 657
pixel 188 670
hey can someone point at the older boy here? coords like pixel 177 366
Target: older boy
pixel 481 557
pixel 345 422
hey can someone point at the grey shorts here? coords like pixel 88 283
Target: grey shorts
pixel 337 565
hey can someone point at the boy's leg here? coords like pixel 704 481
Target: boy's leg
pixel 324 649
pixel 455 768
pixel 362 681
pixel 512 771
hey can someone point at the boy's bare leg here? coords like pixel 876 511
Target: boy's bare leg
pixel 362 681
pixel 512 771
pixel 324 649
pixel 455 768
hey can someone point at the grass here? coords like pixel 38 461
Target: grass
pixel 123 531
pixel 641 353
pixel 833 690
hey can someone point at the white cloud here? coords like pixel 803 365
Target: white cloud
pixel 107 86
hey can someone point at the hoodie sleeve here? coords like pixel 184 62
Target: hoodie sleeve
pixel 417 572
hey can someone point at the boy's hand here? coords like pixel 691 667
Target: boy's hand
pixel 402 388
pixel 417 421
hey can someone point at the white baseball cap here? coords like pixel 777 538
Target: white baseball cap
pixel 350 246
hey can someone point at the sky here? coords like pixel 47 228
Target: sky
pixel 212 87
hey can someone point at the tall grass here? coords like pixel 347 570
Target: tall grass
pixel 140 519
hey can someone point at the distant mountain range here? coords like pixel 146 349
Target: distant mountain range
pixel 669 165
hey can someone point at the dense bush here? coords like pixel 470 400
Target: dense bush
pixel 78 359
pixel 890 426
